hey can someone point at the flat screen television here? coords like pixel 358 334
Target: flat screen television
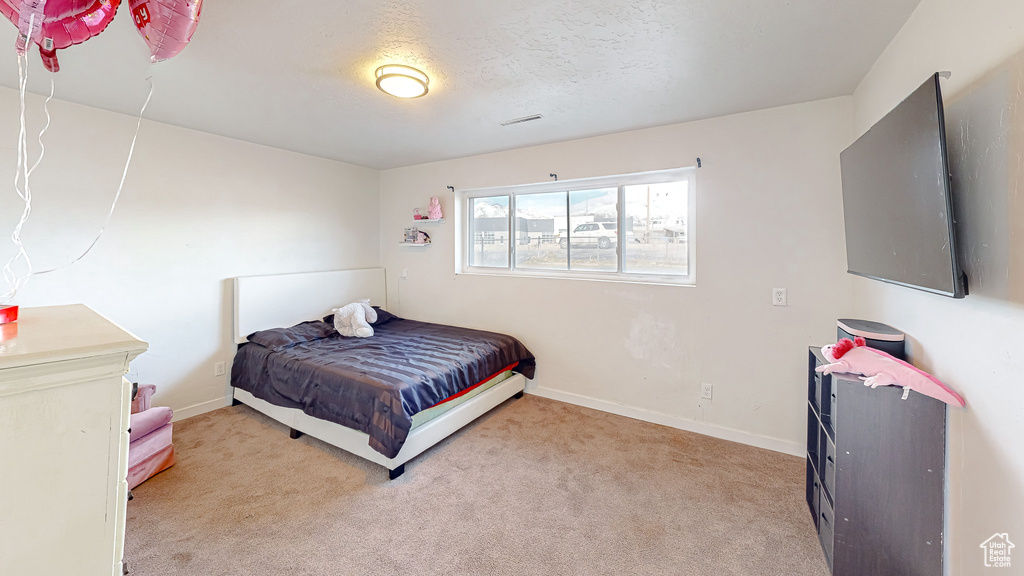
pixel 897 201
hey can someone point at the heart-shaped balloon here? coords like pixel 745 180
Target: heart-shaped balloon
pixel 57 24
pixel 165 25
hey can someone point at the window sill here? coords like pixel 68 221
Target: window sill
pixel 646 280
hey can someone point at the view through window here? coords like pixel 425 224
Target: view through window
pixel 634 226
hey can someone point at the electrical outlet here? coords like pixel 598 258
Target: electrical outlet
pixel 706 391
pixel 779 297
pixel 218 369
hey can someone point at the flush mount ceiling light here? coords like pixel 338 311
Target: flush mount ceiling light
pixel 402 81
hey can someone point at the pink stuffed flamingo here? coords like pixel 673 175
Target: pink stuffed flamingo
pixel 880 369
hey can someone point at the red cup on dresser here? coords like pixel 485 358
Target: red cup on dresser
pixel 8 314
pixel 8 325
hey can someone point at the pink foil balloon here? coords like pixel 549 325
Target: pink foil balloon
pixel 166 25
pixel 64 23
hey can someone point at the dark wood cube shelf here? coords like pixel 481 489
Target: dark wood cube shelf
pixel 875 475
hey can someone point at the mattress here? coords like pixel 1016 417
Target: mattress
pixel 422 417
pixel 375 385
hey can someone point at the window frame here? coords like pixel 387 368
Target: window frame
pixel 464 213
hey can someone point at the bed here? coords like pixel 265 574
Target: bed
pixel 386 398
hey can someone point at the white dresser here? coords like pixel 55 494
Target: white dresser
pixel 64 443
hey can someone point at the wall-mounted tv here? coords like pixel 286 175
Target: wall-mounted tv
pixel 897 201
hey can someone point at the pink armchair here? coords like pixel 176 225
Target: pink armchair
pixel 149 450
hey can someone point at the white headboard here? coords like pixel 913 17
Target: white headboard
pixel 277 300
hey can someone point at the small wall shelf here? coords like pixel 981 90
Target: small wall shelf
pixel 414 244
pixel 428 221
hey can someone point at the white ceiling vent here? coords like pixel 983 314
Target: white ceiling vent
pixel 521 120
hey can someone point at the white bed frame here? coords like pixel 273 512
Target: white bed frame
pixel 263 302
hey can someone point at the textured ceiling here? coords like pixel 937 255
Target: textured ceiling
pixel 299 75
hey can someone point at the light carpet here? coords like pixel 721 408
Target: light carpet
pixel 535 486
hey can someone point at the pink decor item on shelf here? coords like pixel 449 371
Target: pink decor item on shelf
pixel 434 213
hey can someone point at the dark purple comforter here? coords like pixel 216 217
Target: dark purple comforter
pixel 374 384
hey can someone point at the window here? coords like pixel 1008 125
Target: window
pixel 489 229
pixel 634 227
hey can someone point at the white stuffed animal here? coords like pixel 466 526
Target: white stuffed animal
pixel 354 319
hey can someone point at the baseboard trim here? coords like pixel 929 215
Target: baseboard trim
pixel 201 408
pixel 645 415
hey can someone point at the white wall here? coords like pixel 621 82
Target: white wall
pixel 768 215
pixel 975 345
pixel 196 210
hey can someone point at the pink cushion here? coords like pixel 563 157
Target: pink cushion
pixel 155 463
pixel 149 449
pixel 143 423
pixel 146 446
pixel 141 402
